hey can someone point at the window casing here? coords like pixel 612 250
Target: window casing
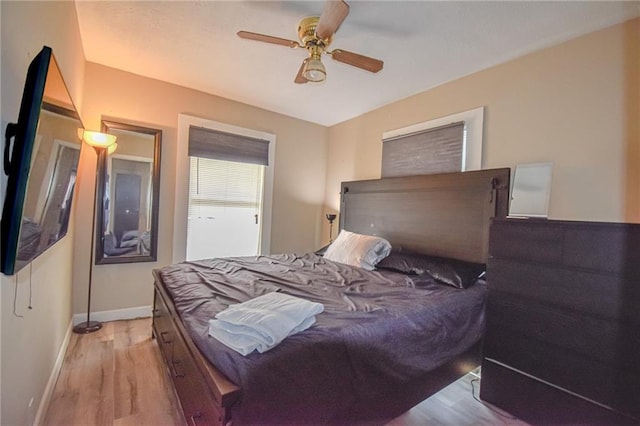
pixel 208 141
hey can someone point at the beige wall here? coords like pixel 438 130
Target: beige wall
pixel 301 149
pixel 576 104
pixel 32 338
pixel 631 118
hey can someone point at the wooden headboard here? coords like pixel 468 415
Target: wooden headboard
pixel 443 214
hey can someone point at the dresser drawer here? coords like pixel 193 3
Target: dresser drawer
pixel 520 240
pixel 552 363
pixel 586 335
pixel 162 327
pixel 184 374
pixel 537 402
pixel 190 387
pixel 599 294
pixel 595 246
pixel 603 247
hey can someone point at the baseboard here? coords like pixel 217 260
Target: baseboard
pixel 114 315
pixel 53 378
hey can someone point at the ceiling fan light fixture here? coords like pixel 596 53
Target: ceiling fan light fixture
pixel 315 34
pixel 314 71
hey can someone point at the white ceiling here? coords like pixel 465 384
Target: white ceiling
pixel 423 44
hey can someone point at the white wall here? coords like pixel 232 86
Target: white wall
pixel 32 338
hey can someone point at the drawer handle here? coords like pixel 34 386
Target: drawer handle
pixel 176 373
pixel 194 418
pixel 163 335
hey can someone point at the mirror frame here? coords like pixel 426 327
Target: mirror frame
pixel 108 126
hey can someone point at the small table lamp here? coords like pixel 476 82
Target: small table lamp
pixel 331 217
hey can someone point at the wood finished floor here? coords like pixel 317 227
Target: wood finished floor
pixel 456 405
pixel 116 376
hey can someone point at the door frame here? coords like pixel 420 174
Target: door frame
pixel 147 177
pixel 117 201
pixel 181 208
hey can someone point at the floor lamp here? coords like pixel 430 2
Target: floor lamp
pixel 100 142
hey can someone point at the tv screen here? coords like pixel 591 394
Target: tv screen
pixel 41 166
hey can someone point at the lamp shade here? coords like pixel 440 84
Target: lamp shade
pixel 314 70
pixel 112 148
pixel 97 139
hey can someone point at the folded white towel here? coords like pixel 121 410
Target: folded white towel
pixel 263 322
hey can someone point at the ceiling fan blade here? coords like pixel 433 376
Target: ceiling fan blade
pixel 332 16
pixel 356 60
pixel 268 39
pixel 299 77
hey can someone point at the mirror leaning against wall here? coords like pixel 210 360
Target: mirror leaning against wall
pixel 127 197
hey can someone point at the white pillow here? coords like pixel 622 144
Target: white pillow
pixel 359 250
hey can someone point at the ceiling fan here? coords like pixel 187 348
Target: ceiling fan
pixel 315 35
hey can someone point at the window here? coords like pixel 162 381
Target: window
pixel 447 144
pixel 225 204
pixel 437 150
pixel 229 182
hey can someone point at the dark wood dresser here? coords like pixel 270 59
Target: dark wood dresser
pixel 562 342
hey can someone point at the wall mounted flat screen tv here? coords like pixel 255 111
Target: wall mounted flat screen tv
pixel 41 166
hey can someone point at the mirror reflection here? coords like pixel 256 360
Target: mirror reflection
pixel 127 211
pixel 52 176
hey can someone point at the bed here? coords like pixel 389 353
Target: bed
pixel 386 340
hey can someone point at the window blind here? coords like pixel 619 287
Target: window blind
pixel 217 183
pixel 435 150
pixel 218 145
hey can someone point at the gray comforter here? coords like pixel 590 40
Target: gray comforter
pixel 378 332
